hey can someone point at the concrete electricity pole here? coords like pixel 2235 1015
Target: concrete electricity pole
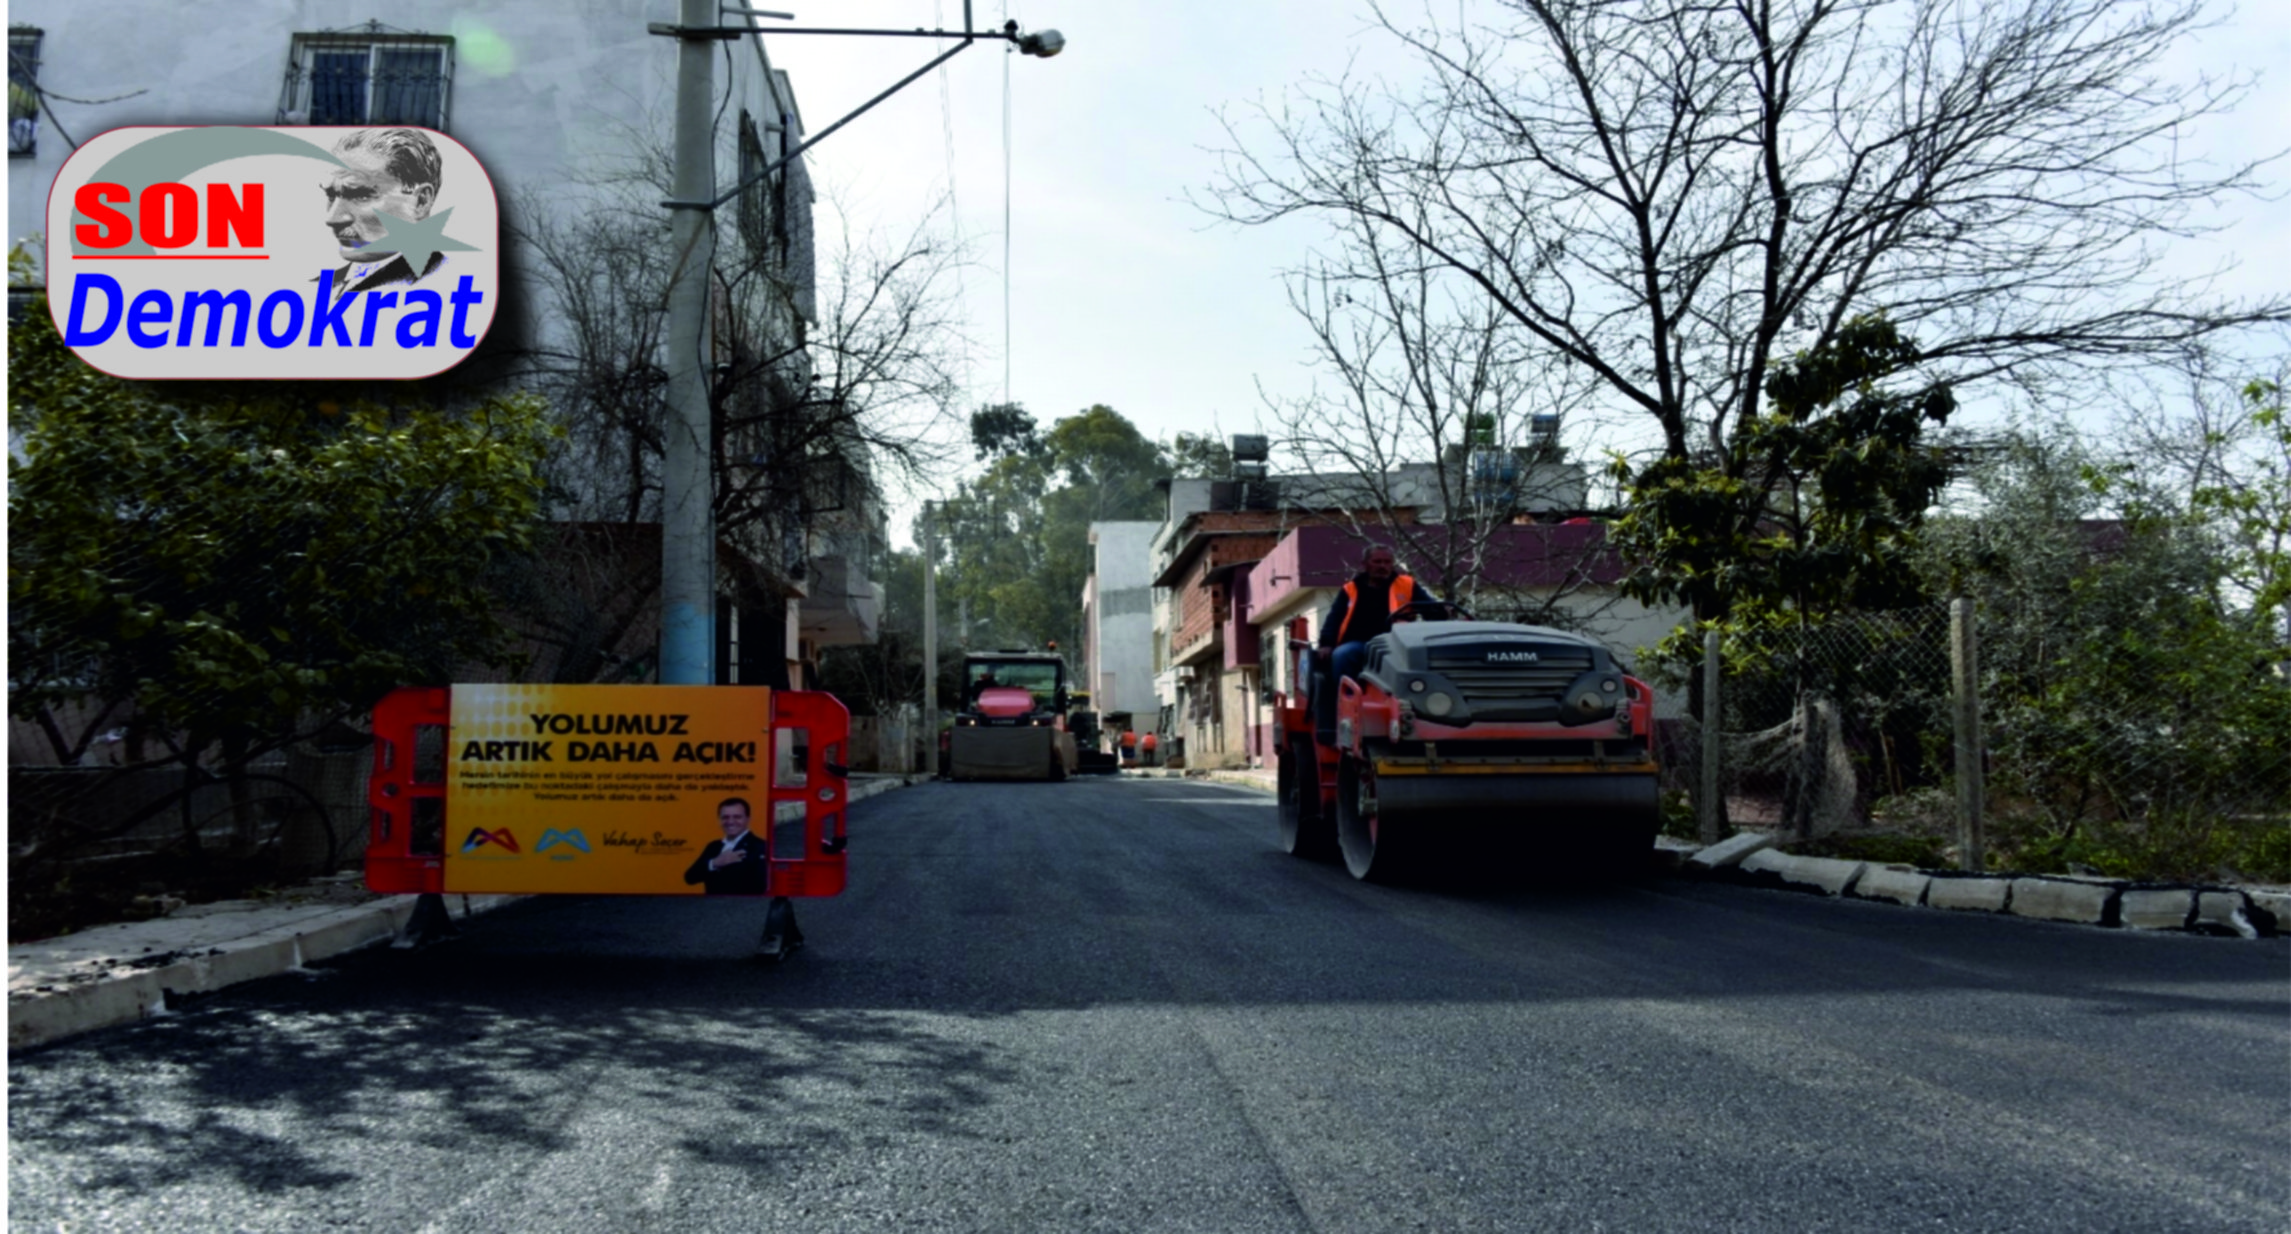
pixel 930 641
pixel 687 479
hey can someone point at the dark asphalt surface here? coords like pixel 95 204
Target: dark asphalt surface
pixel 1116 1005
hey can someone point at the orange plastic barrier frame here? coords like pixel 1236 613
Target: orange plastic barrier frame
pixel 559 839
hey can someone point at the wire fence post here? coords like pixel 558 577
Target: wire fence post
pixel 1964 664
pixel 1706 809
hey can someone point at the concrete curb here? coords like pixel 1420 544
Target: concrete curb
pixel 2253 912
pixel 1904 885
pixel 82 982
pixel 2077 901
pixel 2167 908
pixel 1262 781
pixel 1981 895
pixel 2273 904
pixel 1828 875
pixel 1730 852
pixel 1750 856
pixel 105 991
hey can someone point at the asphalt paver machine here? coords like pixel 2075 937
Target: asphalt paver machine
pixel 1012 725
pixel 1471 735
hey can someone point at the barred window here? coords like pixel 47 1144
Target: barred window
pixel 23 91
pixel 752 209
pixel 370 74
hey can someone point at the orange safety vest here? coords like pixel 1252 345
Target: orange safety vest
pixel 1403 590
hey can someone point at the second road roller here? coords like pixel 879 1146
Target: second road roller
pixel 1012 725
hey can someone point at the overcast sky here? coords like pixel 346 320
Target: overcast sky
pixel 1121 292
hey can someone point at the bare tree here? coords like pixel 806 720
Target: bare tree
pixel 1667 197
pixel 2215 458
pixel 824 389
pixel 1437 432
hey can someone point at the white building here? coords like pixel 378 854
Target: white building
pixel 554 100
pixel 1117 620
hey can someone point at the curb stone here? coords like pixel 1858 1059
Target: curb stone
pixel 1904 885
pixel 1986 895
pixel 1244 779
pixel 2157 908
pixel 2224 911
pixel 1828 875
pixel 2270 909
pixel 1671 853
pixel 2072 900
pixel 1730 852
pixel 101 991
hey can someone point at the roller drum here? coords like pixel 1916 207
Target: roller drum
pixel 981 753
pixel 1536 804
pixel 1611 819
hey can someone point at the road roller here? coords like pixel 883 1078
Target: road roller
pixel 1012 724
pixel 1472 736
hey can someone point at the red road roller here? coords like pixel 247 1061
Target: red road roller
pixel 1012 725
pixel 1469 735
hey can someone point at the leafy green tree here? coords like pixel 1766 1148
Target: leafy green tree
pixel 1003 428
pixel 1199 456
pixel 1016 537
pixel 1817 507
pixel 2137 714
pixel 222 565
pixel 2250 509
pixel 1814 512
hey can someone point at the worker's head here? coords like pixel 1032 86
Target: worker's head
pixel 1377 564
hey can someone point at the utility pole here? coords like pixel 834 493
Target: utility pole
pixel 687 479
pixel 930 642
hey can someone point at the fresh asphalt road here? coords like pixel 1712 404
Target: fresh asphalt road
pixel 1116 1005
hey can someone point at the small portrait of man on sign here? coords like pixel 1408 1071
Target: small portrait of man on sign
pixel 737 865
pixel 378 206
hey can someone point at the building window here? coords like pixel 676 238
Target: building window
pixel 370 74
pixel 23 91
pixel 752 210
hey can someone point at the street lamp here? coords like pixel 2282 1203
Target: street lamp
pixel 688 516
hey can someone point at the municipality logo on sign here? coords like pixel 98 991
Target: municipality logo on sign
pixel 553 837
pixel 500 837
pixel 273 252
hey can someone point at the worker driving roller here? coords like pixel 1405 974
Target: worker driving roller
pixel 1363 610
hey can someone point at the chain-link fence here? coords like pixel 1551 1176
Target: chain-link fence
pixel 2113 751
